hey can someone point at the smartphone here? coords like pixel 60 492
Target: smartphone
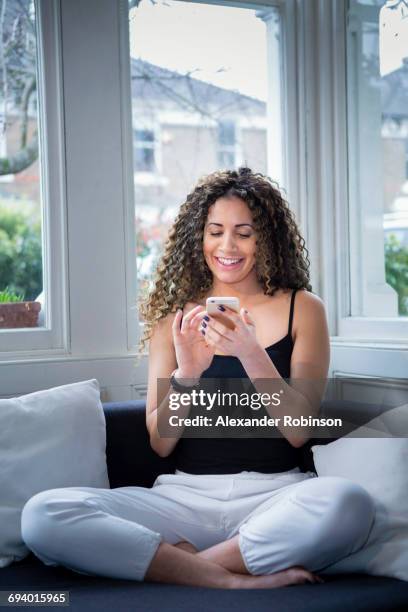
pixel 212 304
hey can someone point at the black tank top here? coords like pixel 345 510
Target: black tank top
pixel 233 455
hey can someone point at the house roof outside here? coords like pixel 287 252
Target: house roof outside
pixel 158 89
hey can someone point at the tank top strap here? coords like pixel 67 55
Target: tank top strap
pixel 292 304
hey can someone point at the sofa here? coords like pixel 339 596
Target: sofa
pixel 131 461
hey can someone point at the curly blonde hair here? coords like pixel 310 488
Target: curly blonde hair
pixel 182 273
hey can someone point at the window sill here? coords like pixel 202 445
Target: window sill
pixel 60 357
pixel 370 343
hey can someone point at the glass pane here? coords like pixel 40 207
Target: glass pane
pixel 377 74
pixel 21 278
pixel 226 159
pixel 190 63
pixel 226 133
pixel 144 135
pixel 144 159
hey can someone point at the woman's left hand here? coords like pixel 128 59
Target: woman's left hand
pixel 238 342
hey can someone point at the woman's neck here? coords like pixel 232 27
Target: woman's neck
pixel 245 292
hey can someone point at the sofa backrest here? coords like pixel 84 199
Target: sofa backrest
pixel 132 462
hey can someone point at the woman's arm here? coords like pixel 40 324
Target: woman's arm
pixel 309 365
pixel 173 343
pixel 162 362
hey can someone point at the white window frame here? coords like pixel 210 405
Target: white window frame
pixel 53 338
pixel 361 279
pixel 317 154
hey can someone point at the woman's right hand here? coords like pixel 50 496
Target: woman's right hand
pixel 192 353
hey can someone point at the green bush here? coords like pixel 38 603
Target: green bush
pixel 20 254
pixel 396 271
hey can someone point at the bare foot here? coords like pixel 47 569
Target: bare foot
pixel 293 575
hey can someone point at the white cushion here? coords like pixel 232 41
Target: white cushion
pixel 48 439
pixel 379 464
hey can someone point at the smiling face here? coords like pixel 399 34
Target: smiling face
pixel 229 241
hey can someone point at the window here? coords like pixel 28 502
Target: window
pixel 377 150
pixel 144 155
pixel 32 267
pixel 21 274
pixel 206 113
pixel 226 144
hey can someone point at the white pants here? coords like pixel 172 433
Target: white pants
pixel 284 519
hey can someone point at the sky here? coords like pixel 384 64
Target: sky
pixel 226 44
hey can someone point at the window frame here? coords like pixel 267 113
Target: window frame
pixel 371 331
pixel 53 338
pixel 320 188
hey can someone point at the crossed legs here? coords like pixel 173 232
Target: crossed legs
pixel 317 523
pixel 115 533
pixel 97 532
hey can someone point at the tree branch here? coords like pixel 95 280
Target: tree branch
pixel 21 160
pixel 28 90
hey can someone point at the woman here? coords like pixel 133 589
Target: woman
pixel 237 513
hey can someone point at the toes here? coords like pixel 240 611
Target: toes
pixel 303 575
pixel 314 579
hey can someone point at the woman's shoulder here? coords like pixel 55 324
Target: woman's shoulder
pixel 163 327
pixel 308 300
pixel 303 298
pixel 309 312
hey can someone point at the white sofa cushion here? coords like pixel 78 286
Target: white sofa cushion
pixel 380 465
pixel 48 439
